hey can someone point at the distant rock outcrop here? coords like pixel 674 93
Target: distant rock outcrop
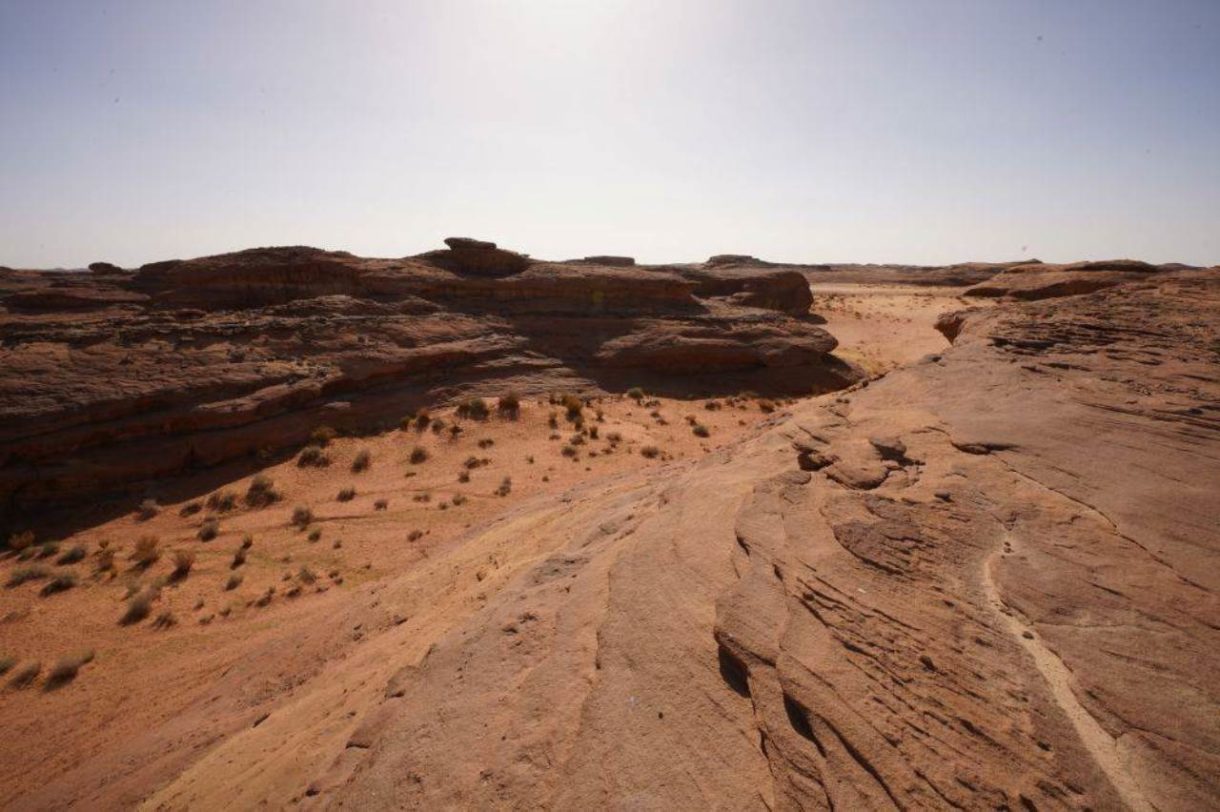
pixel 195 362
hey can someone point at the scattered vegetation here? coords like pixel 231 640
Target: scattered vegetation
pixel 21 575
pixel 210 529
pixel 261 492
pixel 347 494
pixel 569 451
pixel 165 620
pixel 234 582
pixel 459 499
pixel 700 430
pixel 506 486
pixel 25 675
pixel 766 406
pixel 635 393
pixel 65 669
pixel 138 606
pixel 463 476
pixel 381 504
pixel 48 549
pixel 509 405
pixel 60 583
pixel 104 562
pixel 191 508
pixel 422 419
pixel 614 438
pixel 474 409
pixel 362 461
pixel 315 535
pixel 573 407
pixel 486 442
pixel 222 501
pixel 147 552
pixel 415 535
pixel 239 558
pixel 302 516
pixel 247 541
pixel 20 541
pixel 650 452
pixel 72 556
pixel 6 664
pixel 147 510
pixel 322 436
pixel 313 457
pixel 183 561
pixel 419 455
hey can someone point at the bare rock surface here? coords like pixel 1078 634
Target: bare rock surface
pixel 976 583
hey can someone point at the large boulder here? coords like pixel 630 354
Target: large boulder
pixel 478 258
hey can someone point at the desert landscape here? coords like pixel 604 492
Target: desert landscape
pixel 468 529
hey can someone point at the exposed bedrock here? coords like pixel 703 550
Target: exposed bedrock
pixel 975 583
pixel 113 378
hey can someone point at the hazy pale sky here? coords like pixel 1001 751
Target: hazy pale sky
pixel 855 130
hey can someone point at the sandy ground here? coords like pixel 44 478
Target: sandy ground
pixel 160 695
pixel 882 327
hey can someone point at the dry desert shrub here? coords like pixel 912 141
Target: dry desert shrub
pixel 222 501
pixel 183 561
pixel 145 552
pixel 313 457
pixel 25 675
pixel 473 409
pixel 233 582
pixel 302 516
pixel 506 486
pixel 65 669
pixel 21 541
pixel 635 393
pixel 509 405
pixel 209 530
pixel 381 504
pixel 419 455
pixel 650 452
pixel 147 510
pixel 362 461
pixel 261 492
pixel 322 436
pixel 72 556
pixel 347 494
pixel 60 583
pixel 139 605
pixel 700 430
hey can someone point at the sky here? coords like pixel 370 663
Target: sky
pixel 669 130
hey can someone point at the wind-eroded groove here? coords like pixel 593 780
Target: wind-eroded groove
pixel 1100 745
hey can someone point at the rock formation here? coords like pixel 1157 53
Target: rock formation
pixel 120 377
pixel 939 591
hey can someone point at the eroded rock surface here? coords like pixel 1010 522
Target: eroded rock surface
pixel 985 581
pixel 116 377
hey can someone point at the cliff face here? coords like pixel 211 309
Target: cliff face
pixel 117 377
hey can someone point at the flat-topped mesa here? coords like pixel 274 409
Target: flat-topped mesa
pixel 604 259
pixel 717 260
pixel 255 277
pixel 1036 280
pixel 477 257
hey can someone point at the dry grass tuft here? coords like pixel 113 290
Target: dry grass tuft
pixel 347 494
pixel 302 516
pixel 473 409
pixel 209 530
pixel 183 561
pixel 362 461
pixel 322 435
pixel 650 452
pixel 313 457
pixel 147 510
pixel 146 552
pixel 72 556
pixel 261 492
pixel 60 583
pixel 139 606
pixel 24 676
pixel 65 669
pixel 509 405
